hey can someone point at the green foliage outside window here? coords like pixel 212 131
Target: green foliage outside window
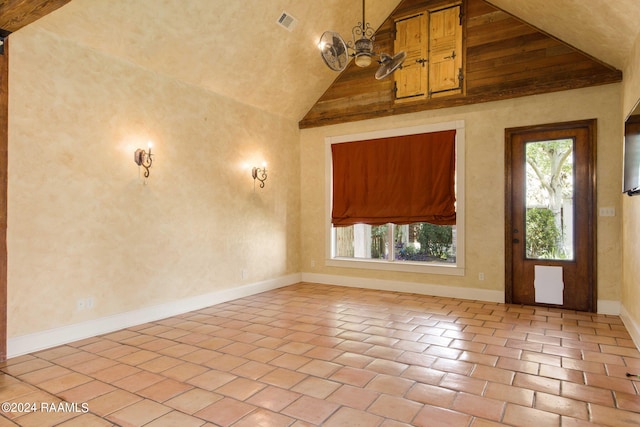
pixel 434 241
pixel 542 233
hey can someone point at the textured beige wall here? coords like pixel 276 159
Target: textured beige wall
pixel 631 205
pixel 484 131
pixel 82 223
pixel 233 48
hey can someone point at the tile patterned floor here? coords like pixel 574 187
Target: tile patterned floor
pixel 311 354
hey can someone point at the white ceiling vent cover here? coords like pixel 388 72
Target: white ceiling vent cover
pixel 287 21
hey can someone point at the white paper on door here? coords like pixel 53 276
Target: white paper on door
pixel 548 284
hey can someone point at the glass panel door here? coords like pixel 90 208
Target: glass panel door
pixel 550 215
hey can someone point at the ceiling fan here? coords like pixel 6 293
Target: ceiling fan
pixel 335 52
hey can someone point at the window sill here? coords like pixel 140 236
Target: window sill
pixel 404 266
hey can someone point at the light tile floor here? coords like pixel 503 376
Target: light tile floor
pixel 313 354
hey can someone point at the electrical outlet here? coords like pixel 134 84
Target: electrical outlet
pixel 243 273
pixel 608 211
pixel 85 303
pixel 481 276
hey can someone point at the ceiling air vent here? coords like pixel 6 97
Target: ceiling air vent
pixel 287 21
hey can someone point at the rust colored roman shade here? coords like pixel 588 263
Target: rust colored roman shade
pixel 399 180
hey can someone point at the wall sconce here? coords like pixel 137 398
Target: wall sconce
pixel 260 174
pixel 144 159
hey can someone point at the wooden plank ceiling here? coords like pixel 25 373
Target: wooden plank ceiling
pixel 15 14
pixel 504 58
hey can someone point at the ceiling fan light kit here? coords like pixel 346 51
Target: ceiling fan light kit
pixel 364 52
pixel 335 52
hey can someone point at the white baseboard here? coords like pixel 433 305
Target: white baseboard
pixel 631 325
pixel 604 306
pixel 23 344
pixel 409 287
pixel 609 307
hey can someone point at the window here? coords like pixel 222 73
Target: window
pixel 420 245
pixel 549 197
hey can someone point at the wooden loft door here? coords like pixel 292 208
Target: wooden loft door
pixel 432 40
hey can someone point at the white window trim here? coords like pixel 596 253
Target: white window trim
pixel 407 266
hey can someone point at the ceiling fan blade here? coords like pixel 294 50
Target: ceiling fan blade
pixel 333 50
pixel 390 64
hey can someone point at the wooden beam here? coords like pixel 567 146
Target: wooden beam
pixel 15 14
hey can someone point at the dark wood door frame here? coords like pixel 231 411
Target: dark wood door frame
pixel 590 126
pixel 4 145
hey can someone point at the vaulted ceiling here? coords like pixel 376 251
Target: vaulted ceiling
pixel 238 50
